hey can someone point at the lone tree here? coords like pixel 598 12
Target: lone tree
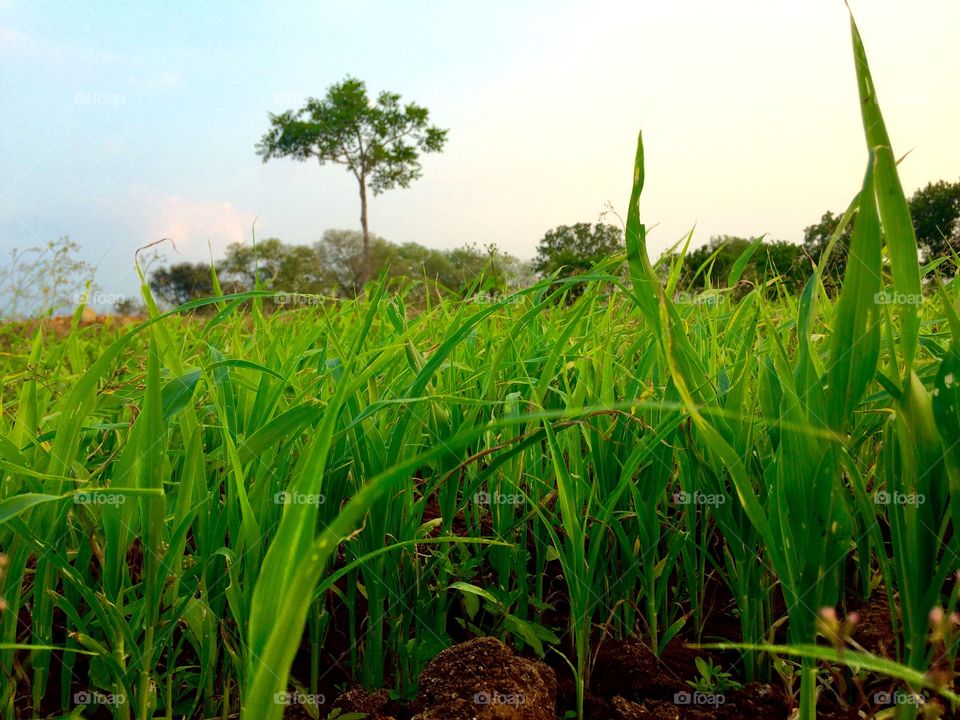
pixel 379 142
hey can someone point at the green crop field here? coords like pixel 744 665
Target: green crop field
pixel 208 511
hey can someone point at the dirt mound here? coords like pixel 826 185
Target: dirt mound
pixel 630 669
pixel 483 679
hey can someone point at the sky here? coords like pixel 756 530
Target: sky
pixel 122 123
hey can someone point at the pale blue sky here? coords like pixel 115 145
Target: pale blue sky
pixel 125 122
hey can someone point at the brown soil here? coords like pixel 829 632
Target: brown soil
pixel 483 679
pixel 629 669
pixel 458 524
pixel 376 705
pixel 874 630
pixel 629 682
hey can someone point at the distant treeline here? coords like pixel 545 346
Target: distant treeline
pixel 334 266
pixel 935 210
pixel 55 276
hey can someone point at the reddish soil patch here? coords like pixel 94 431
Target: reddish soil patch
pixel 60 325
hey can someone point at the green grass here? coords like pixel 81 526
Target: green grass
pixel 145 544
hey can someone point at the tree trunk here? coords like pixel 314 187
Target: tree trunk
pixel 367 257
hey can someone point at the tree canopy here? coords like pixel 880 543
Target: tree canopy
pixel 574 249
pixel 182 282
pixel 817 237
pixel 713 264
pixel 935 210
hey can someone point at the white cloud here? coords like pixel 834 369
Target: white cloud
pixel 190 224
